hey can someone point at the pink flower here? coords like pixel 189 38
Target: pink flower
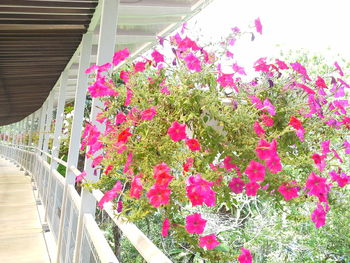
pixel 255 171
pixel 158 195
pixel 318 187
pixel 226 80
pixel 111 194
pixel 120 56
pixel 319 161
pixel 165 227
pixel 209 241
pixel 281 64
pixel 195 224
pixel 228 165
pixel 188 164
pixel 318 216
pixel 321 83
pixel 269 107
pixel 342 179
pixel 127 164
pixel 97 160
pixel 120 118
pixel 346 144
pixel 148 114
pixel 236 185
pixel 80 177
pixel 300 69
pixel 199 191
pixel 193 144
pixel 162 174
pixel 101 88
pixel 238 69
pixel 338 68
pixel 252 188
pixel 177 131
pixel 140 66
pixel 274 164
pixel 258 129
pixel 288 191
pixel 266 150
pixel 128 97
pixel 136 187
pixel 124 76
pixel 267 120
pixel 298 126
pixel 158 57
pixel 336 155
pixel 325 147
pixel 258 25
pixel 193 63
pixel 245 256
pixel 305 88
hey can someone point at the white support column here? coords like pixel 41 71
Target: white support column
pixel 47 130
pixel 42 125
pixel 78 117
pixel 57 138
pixel 30 139
pixel 105 51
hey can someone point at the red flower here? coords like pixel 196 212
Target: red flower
pixel 245 257
pixel 193 144
pixel 158 195
pixel 162 174
pixel 165 227
pixel 255 171
pixel 188 164
pixel 195 224
pixel 209 241
pixel 124 136
pixel 177 131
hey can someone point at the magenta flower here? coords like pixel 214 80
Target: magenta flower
pixel 140 66
pixel 120 56
pixel 252 188
pixel 162 174
pixel 318 187
pixel 267 120
pixel 226 80
pixel 157 57
pixel 236 185
pixel 120 118
pixel 258 103
pixel 281 64
pixel 274 164
pixel 195 224
pixel 269 107
pixel 136 187
pixel 341 73
pixel 188 164
pixel 300 69
pixel 177 131
pixel 346 144
pixel 307 89
pixel 102 88
pixel 255 171
pixel 258 129
pixel 321 83
pixel 228 165
pixel 319 161
pixel 238 69
pixel 288 190
pixel 336 155
pixel 128 97
pixel 128 162
pixel 148 114
pixel 193 63
pixel 158 195
pixel 342 179
pixel 325 147
pixel 245 256
pixel 318 216
pixel 265 150
pixel 97 160
pixel 193 144
pixel 165 227
pixel 80 177
pixel 258 25
pixel 111 194
pixel 199 191
pixel 209 241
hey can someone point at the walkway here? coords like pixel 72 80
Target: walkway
pixel 21 238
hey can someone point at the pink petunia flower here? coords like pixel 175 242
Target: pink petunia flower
pixel 177 131
pixel 120 56
pixel 148 114
pixel 157 57
pixel 158 195
pixel 209 241
pixel 165 227
pixel 245 256
pixel 111 194
pixel 195 224
pixel 193 63
pixel 199 191
pixel 193 144
pixel 255 171
pixel 341 73
pixel 136 187
pixel 258 25
pixel 318 216
pixel 80 177
pixel 236 185
pixel 319 161
pixel 258 129
pixel 252 188
pixel 288 190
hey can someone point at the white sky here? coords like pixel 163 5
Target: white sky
pixel 317 25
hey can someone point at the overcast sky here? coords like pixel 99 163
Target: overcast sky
pixel 318 25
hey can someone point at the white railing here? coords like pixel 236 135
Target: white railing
pixel 50 185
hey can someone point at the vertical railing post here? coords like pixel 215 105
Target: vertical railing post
pixel 56 140
pixel 78 117
pixel 106 47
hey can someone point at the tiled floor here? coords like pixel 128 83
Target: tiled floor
pixel 21 238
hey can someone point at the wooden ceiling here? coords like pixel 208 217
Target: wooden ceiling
pixel 37 39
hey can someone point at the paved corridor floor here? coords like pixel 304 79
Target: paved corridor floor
pixel 21 238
